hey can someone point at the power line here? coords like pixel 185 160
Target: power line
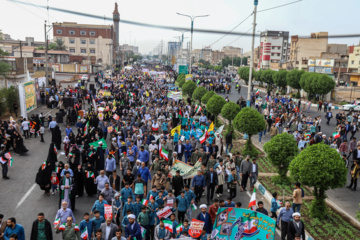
pixel 286 4
pixel 239 37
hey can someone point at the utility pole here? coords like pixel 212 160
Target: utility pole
pixel 241 57
pixel 252 54
pixel 46 56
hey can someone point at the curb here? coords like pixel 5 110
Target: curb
pixel 335 206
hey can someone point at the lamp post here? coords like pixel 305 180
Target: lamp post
pixel 252 54
pixel 192 28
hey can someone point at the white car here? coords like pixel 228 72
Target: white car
pixel 352 107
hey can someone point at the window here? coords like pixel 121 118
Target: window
pixel 272 47
pixel 92 33
pixel 352 62
pixel 72 40
pixel 278 54
pixel 92 41
pixel 71 32
pixel 92 50
pixel 279 48
pixel 83 50
pixel 83 41
pixel 82 32
pixel 72 50
pixel 59 31
pixel 272 54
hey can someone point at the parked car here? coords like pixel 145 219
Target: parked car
pixel 352 107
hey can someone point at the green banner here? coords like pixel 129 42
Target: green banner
pixel 186 171
pixel 96 144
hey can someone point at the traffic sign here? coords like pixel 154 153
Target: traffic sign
pixel 183 69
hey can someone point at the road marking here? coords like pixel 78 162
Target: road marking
pixel 28 192
pixel 25 196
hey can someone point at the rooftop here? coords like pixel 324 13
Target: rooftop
pixel 74 24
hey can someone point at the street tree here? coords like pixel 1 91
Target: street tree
pixel 4 67
pixel 207 96
pixel 215 104
pixel 244 73
pixel 189 87
pixel 293 78
pixel 181 82
pixel 199 93
pixel 181 76
pixel 251 122
pixel 322 168
pixel 281 150
pixel 280 78
pixel 316 83
pixel 229 111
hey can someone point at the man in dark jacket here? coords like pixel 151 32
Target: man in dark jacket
pixel 41 229
pixel 296 226
pixel 211 180
pixel 177 183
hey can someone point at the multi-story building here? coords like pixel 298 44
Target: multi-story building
pixel 196 55
pixel 304 48
pixel 87 41
pixel 230 51
pixel 173 48
pixel 216 57
pixel 354 64
pixel 205 54
pixel 273 49
pixel 129 48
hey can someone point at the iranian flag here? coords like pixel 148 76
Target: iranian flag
pixel 90 174
pixel 179 228
pixel 198 109
pixel 164 154
pixel 252 203
pixel 151 197
pixel 143 232
pixel 257 91
pixel 203 137
pixel 91 154
pixel 144 202
pixel 250 226
pixel 55 150
pixel 43 166
pixel 86 129
pixel 62 227
pixel 193 207
pixel 180 114
pixel 11 160
pixel 131 94
pixel 116 117
pixel 57 170
pixel 57 222
pixel 84 234
pixel 336 135
pixel 168 225
pixel 76 228
pixel 71 154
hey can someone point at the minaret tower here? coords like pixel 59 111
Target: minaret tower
pixel 116 19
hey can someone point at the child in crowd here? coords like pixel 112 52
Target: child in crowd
pixel 54 182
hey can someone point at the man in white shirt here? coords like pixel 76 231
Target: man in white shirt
pixel 25 126
pixel 254 173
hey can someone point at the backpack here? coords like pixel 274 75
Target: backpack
pixel 302 193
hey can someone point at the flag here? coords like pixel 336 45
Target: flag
pixel 55 150
pixel 57 222
pixel 250 226
pixel 203 137
pixel 96 144
pixel 198 109
pixel 164 154
pixel 180 114
pixel 91 154
pixel 143 231
pixel 336 135
pixel 198 81
pixel 43 166
pixel 86 129
pixel 144 202
pixel 62 227
pixel 114 103
pixel 57 170
pixel 252 203
pixel 168 225
pixel 193 207
pixel 2 160
pixel 71 154
pixel 8 156
pixel 90 174
pixel 84 235
pixel 179 228
pixel 178 128
pixel 151 197
pixel 76 228
pixel 211 127
pixel 11 119
pixel 116 117
pixel 257 91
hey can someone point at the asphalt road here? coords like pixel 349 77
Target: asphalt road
pixel 22 198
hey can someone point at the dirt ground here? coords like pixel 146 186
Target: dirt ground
pixel 347 94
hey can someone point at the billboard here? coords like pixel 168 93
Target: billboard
pixel 325 70
pixel 325 63
pixel 240 223
pixel 312 62
pixel 30 95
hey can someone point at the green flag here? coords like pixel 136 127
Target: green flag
pixel 96 144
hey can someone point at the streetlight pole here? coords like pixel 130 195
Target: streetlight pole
pixel 252 54
pixel 192 30
pixel 46 52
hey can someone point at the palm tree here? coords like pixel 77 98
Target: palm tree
pixel 59 45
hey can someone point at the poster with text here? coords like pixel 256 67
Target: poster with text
pixel 30 96
pixel 239 223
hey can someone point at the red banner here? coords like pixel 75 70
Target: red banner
pixel 196 228
pixel 108 211
pixel 164 213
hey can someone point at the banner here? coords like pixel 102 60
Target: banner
pixel 239 223
pixel 96 144
pixel 164 213
pixel 108 211
pixel 30 96
pixel 186 170
pixel 196 228
pixel 174 95
pixel 188 77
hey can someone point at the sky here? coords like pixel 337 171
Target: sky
pixel 300 18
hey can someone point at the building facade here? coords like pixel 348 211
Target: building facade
pixel 86 40
pixel 273 48
pixel 230 51
pixel 129 48
pixel 216 57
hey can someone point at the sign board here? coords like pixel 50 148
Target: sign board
pixel 188 77
pixel 183 69
pixel 262 189
pixel 239 223
pixel 164 213
pixel 325 63
pixel 311 62
pixel 108 211
pixel 325 70
pixel 186 171
pixel 196 228
pixel 30 95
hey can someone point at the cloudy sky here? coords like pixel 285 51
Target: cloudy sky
pixel 300 18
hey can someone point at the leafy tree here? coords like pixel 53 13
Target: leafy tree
pixel 4 67
pixel 267 76
pixel 229 111
pixel 199 93
pixel 189 88
pixel 181 76
pixel 203 62
pixel 280 78
pixel 249 121
pixel 322 168
pixel 215 104
pixel 244 73
pixel 181 82
pixel 293 78
pixel 11 95
pixel 281 150
pixel 316 83
pixel 207 96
